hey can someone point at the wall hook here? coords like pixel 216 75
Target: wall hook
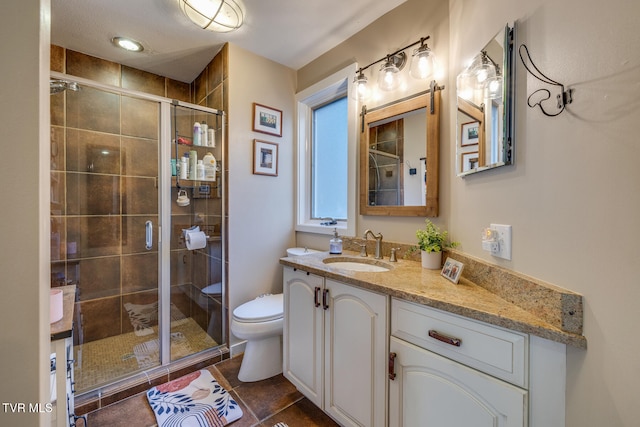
pixel 564 97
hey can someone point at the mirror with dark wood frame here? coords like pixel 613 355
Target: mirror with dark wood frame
pixel 399 150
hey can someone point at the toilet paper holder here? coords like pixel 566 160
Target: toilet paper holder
pixel 196 231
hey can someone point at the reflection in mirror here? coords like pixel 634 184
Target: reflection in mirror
pixel 399 158
pixel 485 92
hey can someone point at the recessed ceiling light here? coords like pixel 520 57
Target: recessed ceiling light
pixel 127 44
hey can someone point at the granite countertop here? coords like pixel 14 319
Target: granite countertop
pixel 62 328
pixel 410 282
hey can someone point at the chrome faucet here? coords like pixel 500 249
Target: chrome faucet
pixel 378 238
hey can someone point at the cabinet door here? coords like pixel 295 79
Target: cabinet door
pixel 430 390
pixel 303 333
pixel 355 355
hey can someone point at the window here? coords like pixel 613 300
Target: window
pixel 329 160
pixel 327 139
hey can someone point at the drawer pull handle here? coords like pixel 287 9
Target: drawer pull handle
pixel 316 297
pixel 325 299
pixel 445 338
pixel 392 366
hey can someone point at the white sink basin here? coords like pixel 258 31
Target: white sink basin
pixel 356 264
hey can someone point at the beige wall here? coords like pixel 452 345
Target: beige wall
pixel 572 197
pixel 398 28
pixel 24 120
pixel 261 207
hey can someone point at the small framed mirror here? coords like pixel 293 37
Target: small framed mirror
pixel 485 93
pixel 399 150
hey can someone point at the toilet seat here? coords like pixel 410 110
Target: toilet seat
pixel 265 308
pixel 213 289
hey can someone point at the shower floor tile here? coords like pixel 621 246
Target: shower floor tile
pixel 103 361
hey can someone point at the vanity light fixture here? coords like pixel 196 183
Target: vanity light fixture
pixel 563 98
pixel 423 62
pixel 127 44
pixel 481 79
pixel 482 68
pixel 360 89
pixel 389 78
pixel 220 16
pixel 493 87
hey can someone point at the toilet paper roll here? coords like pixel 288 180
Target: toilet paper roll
pixel 55 305
pixel 195 240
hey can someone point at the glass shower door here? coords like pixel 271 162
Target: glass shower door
pixel 105 149
pixel 144 299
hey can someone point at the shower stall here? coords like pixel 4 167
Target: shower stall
pixel 144 301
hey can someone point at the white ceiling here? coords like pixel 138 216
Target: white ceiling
pixel 291 32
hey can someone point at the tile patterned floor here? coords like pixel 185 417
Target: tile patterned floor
pixel 264 404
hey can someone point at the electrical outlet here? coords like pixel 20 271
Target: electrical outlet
pixel 503 239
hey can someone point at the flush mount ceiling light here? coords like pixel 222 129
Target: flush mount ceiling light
pixel 127 44
pixel 215 15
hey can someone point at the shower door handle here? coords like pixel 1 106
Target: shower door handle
pixel 148 235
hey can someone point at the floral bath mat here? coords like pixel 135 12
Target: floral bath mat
pixel 193 400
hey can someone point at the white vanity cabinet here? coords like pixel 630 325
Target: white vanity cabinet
pixel 335 347
pixel 447 370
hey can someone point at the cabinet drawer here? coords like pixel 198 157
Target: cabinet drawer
pixel 490 349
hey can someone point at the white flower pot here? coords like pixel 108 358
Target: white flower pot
pixel 432 260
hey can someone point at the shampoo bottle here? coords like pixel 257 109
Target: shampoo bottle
pixel 335 244
pixel 200 170
pixel 204 134
pixel 193 163
pixel 197 134
pixel 211 139
pixel 210 167
pixel 184 166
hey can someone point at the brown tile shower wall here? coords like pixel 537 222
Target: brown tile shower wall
pixel 211 89
pixel 93 242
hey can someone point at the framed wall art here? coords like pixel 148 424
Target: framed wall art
pixel 469 161
pixel 265 158
pixel 469 133
pixel 267 120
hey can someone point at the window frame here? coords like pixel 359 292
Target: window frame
pixel 332 87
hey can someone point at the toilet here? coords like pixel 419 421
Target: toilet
pixel 259 322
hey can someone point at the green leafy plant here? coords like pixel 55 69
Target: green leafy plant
pixel 432 239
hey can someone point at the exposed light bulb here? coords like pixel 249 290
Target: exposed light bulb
pixel 493 87
pixel 388 79
pixel 360 89
pixel 481 76
pixel 422 63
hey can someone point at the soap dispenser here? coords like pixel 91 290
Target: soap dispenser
pixel 335 244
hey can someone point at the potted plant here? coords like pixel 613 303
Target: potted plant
pixel 431 241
